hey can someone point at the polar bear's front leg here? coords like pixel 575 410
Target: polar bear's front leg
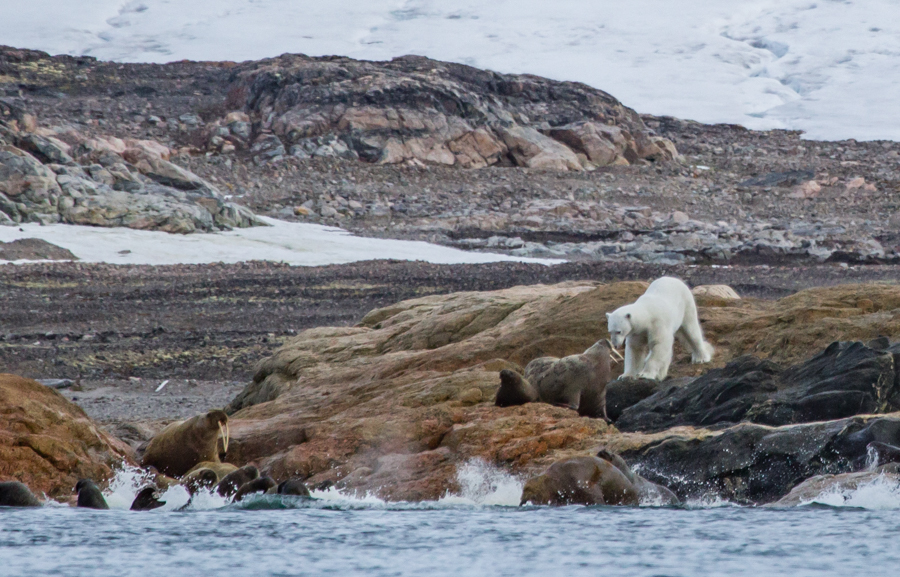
pixel 635 354
pixel 658 358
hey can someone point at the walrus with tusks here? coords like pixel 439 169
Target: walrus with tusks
pixel 16 494
pixel 577 382
pixel 181 445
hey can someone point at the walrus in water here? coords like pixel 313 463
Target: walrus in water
pixel 146 500
pixel 233 481
pixel 180 446
pixel 260 485
pixel 293 487
pixel 577 382
pixel 16 494
pixel 199 479
pixel 592 481
pixel 89 495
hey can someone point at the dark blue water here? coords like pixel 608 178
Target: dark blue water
pixel 275 536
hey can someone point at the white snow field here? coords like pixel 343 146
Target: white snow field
pixel 828 67
pixel 292 243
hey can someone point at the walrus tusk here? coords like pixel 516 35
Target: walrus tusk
pixel 225 433
pixel 614 355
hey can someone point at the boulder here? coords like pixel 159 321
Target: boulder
pixel 48 443
pixel 33 249
pixel 751 463
pixel 847 378
pixel 836 489
pixel 416 109
pixel 530 148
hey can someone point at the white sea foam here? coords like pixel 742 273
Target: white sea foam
pixel 483 484
pixel 880 493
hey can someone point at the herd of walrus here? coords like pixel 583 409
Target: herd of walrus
pixel 190 453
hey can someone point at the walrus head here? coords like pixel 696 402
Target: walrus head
pixel 218 418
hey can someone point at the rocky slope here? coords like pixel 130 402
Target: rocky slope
pixel 48 443
pixel 395 404
pixel 377 148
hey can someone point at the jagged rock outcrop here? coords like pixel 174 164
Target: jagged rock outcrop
pixel 395 404
pixel 751 463
pixel 60 175
pixel 421 110
pixel 48 443
pixel 847 378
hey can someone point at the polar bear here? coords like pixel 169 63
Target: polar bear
pixel 648 328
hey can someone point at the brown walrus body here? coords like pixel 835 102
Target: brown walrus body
pixel 581 481
pixel 16 494
pixel 602 480
pixel 180 446
pixel 577 381
pixel 258 485
pixel 233 481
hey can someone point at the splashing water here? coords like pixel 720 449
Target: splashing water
pixel 483 484
pixel 125 485
pixel 878 494
pixel 871 459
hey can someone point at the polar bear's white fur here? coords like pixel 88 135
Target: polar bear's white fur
pixel 648 328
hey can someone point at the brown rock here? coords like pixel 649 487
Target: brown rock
pixel 530 148
pixel 48 443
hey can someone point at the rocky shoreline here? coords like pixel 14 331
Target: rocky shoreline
pixel 379 378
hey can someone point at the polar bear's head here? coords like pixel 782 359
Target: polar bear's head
pixel 619 325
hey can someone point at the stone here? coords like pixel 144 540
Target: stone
pixel 33 249
pixel 48 443
pixel 594 142
pixel 679 218
pixel 751 463
pixel 833 489
pixel 808 189
pixel 717 291
pixel 845 379
pixel 531 149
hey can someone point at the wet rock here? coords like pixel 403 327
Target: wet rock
pixel 751 463
pixel 845 379
pixel 833 489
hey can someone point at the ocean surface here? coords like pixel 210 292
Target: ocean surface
pixel 479 533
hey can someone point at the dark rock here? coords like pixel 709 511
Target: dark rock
pixel 751 463
pixel 625 392
pixel 847 378
pixel 33 249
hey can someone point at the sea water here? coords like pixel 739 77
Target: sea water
pixel 480 532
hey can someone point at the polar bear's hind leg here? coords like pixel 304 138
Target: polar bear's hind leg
pixel 658 358
pixel 692 335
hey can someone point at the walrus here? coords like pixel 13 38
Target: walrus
pixel 581 481
pixel 647 490
pixel 16 494
pixel 259 485
pixel 293 487
pixel 146 500
pixel 89 495
pixel 180 446
pixel 577 382
pixel 199 479
pixel 233 481
pixel 220 469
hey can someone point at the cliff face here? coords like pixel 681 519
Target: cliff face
pixel 393 405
